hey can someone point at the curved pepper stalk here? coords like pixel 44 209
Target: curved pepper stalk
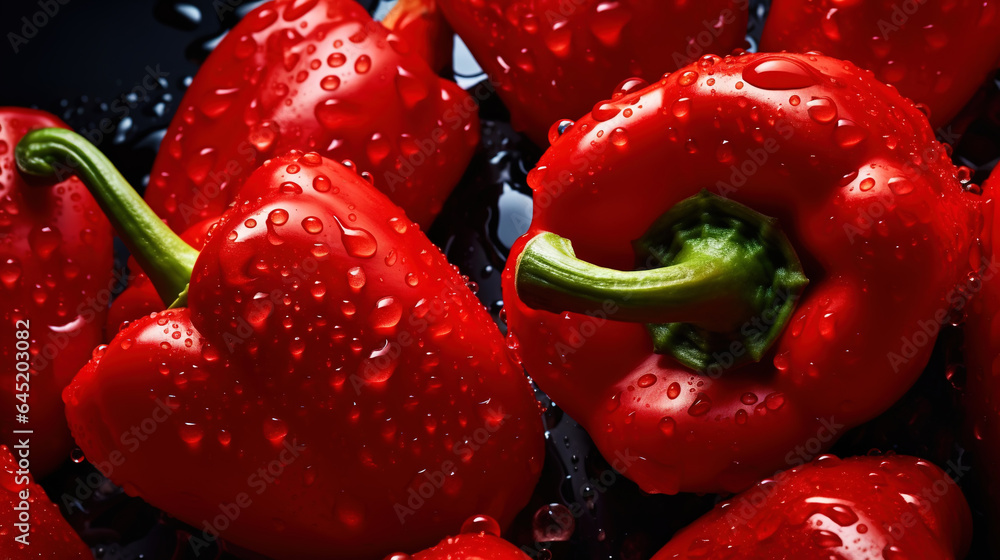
pixel 165 257
pixel 718 265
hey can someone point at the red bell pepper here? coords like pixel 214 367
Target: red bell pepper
pixel 327 349
pixel 674 326
pixel 479 539
pixel 32 525
pixel 935 53
pixel 890 507
pixel 982 339
pixel 553 59
pixel 56 273
pixel 318 75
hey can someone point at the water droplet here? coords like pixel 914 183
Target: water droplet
pixel 411 89
pixel 848 134
pixel 701 405
pixel 558 40
pixel 481 524
pixel 191 433
pixel 667 426
pixel 386 314
pixel 275 430
pixel 262 136
pixel 646 380
pixel 44 241
pixel 363 64
pixel 681 108
pixel 312 225
pixel 604 111
pixel 674 390
pixel 278 217
pixel 215 102
pixel 778 73
pixel 330 83
pixel 619 137
pixel 358 242
pixel 687 78
pixel 380 364
pixel 900 185
pixel 821 109
pixel 627 86
pixel 608 21
pixel 336 60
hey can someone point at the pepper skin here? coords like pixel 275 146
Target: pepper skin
pixel 479 540
pixel 553 59
pixel 853 509
pixel 327 342
pixel 49 535
pixel 865 195
pixel 982 339
pixel 318 75
pixel 55 267
pixel 936 53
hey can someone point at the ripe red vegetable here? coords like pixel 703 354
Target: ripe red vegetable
pixel 318 75
pixel 890 507
pixel 935 53
pixel 675 327
pixel 32 525
pixel 479 540
pixel 553 59
pixel 55 268
pixel 982 338
pixel 331 390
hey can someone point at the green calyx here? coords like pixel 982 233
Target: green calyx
pixel 716 282
pixel 57 154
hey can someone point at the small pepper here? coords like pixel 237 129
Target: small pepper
pixel 737 261
pixel 554 59
pixel 43 533
pixel 331 377
pixel 935 53
pixel 889 507
pixel 56 272
pixel 320 75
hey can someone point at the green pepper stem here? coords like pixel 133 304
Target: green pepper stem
pixel 162 254
pixel 711 289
